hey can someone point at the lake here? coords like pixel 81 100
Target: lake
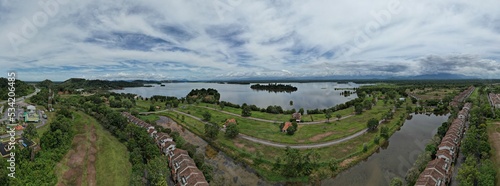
pixel 308 96
pixel 394 158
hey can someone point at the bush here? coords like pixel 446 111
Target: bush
pixel 396 181
pixel 232 131
pixel 376 140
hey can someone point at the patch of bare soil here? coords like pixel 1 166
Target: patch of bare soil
pixel 91 171
pixel 347 161
pixel 80 159
pixel 320 136
pixel 495 140
pixel 249 149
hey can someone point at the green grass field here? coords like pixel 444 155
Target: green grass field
pixel 112 165
pixel 279 117
pixel 111 161
pixel 306 134
pixel 347 153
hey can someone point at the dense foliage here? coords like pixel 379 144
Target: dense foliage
pixel 204 95
pixel 72 84
pixel 39 169
pixel 478 168
pixel 296 164
pixel 274 87
pixel 21 88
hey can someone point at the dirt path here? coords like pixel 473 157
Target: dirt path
pixel 494 138
pixel 80 160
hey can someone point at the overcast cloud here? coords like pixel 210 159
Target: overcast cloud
pixel 199 39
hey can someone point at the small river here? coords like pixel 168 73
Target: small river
pixel 394 158
pixel 308 96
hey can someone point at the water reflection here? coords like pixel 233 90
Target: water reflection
pixel 395 157
pixel 308 95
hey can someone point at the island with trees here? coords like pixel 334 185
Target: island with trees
pixel 274 87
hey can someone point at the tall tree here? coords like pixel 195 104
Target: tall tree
pixel 372 124
pixel 207 116
pixel 246 112
pixel 158 172
pixel 211 131
pixel 328 114
pixel 30 132
pixel 232 130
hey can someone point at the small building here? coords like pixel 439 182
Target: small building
pixel 286 126
pixel 297 116
pixel 402 99
pixel 31 108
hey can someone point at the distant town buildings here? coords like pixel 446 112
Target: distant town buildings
pixel 494 100
pixel 462 96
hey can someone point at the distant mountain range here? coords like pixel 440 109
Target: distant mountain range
pixel 438 76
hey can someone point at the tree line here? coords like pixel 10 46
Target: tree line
pixel 274 87
pixel 22 88
pixel 38 168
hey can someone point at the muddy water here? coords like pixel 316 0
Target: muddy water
pixel 226 171
pixel 395 158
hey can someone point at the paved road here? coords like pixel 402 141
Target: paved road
pixel 272 121
pixel 258 119
pixel 19 100
pixel 282 145
pixel 22 98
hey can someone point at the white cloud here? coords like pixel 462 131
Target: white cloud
pixel 221 38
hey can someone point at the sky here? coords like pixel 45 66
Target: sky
pixel 231 39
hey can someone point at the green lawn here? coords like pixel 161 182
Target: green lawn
pixel 306 134
pixel 143 106
pixel 111 163
pixel 349 152
pixel 279 117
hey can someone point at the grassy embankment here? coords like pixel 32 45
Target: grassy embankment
pixel 494 138
pixel 306 134
pixel 283 117
pixel 345 154
pixel 109 163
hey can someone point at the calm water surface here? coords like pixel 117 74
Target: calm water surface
pixel 395 158
pixel 308 95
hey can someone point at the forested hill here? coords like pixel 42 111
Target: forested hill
pixel 22 88
pixel 78 83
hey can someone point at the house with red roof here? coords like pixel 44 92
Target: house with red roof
pixel 286 126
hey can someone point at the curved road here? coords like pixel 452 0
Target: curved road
pixel 282 145
pixel 271 121
pixel 258 119
pixel 21 99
